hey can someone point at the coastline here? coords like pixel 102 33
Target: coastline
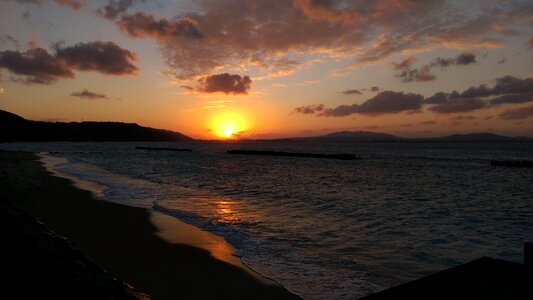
pixel 125 241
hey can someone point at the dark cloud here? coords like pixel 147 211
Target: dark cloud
pixel 517 114
pixel 458 105
pixel 351 92
pixel 437 98
pixel 86 94
pixel 431 122
pixel 419 75
pixel 38 2
pixel 391 102
pixel 462 59
pixel 409 74
pixel 512 98
pixel 104 57
pixel 74 4
pixel 374 89
pixel 37 65
pixel 71 3
pixel 463 118
pixel 114 8
pixel 507 90
pixel 145 25
pixel 309 109
pixel 386 102
pixel 512 85
pixel 474 92
pixel 223 83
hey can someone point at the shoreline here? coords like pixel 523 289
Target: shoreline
pixel 137 245
pixel 169 228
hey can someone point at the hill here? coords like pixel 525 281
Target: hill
pixel 366 136
pixel 359 136
pixel 475 137
pixel 18 129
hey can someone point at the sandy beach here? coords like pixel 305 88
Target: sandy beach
pixel 123 240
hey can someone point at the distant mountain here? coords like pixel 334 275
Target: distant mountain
pixel 365 136
pixel 477 137
pixel 360 136
pixel 17 129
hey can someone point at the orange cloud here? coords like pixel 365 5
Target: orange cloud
pixel 278 37
pixel 144 25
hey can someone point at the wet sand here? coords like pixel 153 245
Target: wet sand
pixel 125 242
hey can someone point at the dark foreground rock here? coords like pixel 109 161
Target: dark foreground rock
pixel 484 278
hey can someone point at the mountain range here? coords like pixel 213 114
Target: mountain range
pixel 15 128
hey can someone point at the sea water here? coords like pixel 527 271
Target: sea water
pixel 325 228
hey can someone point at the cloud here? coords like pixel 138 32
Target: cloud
pixel 74 4
pixel 517 114
pixel 462 59
pixel 103 57
pixel 386 102
pixel 513 98
pixel 309 109
pixel 223 83
pixel 114 8
pixel 351 92
pixel 2 90
pixel 431 122
pixel 85 94
pixel 374 89
pixel 77 5
pixel 463 118
pixel 37 65
pixel 457 105
pixel 235 34
pixel 507 90
pixel 512 85
pixel 409 74
pixel 145 25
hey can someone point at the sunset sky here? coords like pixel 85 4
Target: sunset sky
pixel 272 68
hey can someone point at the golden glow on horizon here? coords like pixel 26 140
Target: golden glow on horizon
pixel 228 124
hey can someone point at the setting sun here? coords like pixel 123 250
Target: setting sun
pixel 228 124
pixel 228 132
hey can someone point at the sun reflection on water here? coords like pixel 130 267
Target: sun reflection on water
pixel 226 211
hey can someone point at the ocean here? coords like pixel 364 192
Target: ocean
pixel 325 228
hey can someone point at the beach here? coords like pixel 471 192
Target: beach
pixel 122 240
